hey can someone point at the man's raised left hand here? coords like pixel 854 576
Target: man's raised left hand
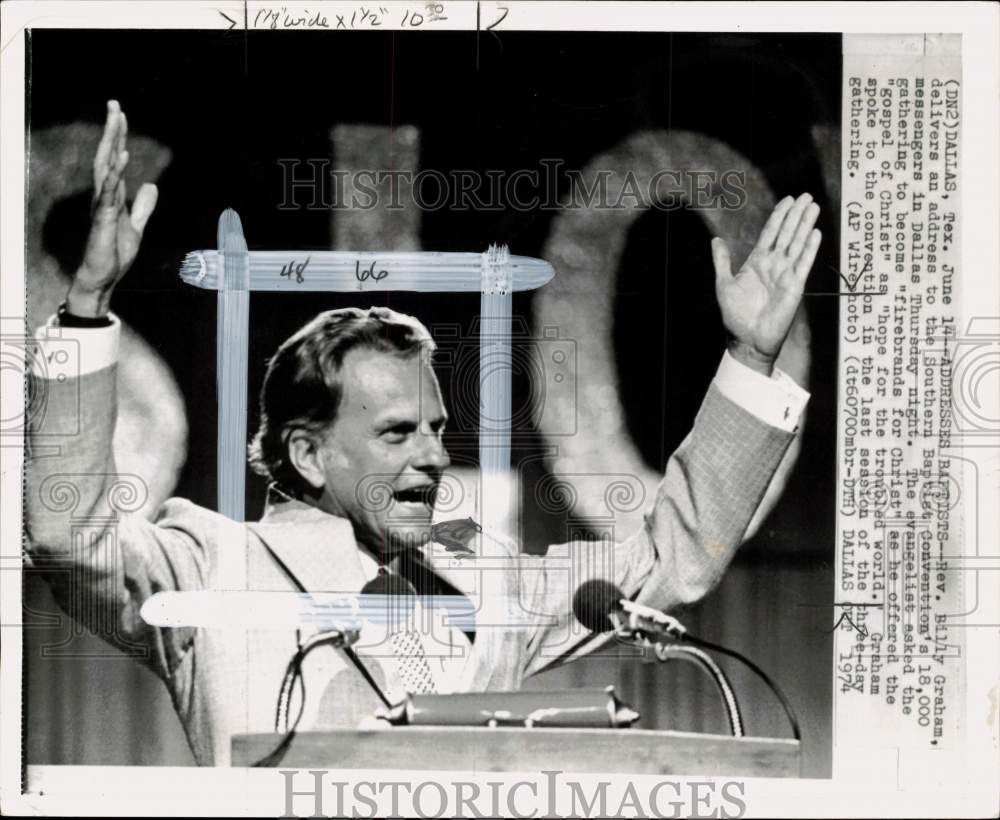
pixel 759 303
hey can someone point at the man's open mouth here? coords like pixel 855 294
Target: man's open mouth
pixel 423 495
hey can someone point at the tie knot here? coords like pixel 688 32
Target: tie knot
pixel 388 583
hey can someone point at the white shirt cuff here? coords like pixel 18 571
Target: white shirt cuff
pixel 70 352
pixel 776 400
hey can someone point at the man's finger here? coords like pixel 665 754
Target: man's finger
pixel 805 225
pixel 109 186
pixel 122 132
pixel 119 168
pixel 142 208
pixel 108 138
pixel 120 163
pixel 127 240
pixel 721 261
pixel 773 224
pixel 808 255
pixel 120 197
pixel 791 222
pixel 120 142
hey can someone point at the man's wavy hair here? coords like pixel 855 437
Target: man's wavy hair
pixel 302 387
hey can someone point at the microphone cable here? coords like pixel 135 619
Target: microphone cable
pixel 785 704
pixel 598 602
pixel 293 675
pixel 704 662
pixel 293 672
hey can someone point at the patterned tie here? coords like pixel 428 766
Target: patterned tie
pixel 414 670
pixel 411 659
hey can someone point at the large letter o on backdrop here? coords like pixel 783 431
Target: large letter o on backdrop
pixel 150 404
pixel 585 247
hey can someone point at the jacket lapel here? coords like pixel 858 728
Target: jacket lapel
pixel 320 550
pixel 317 548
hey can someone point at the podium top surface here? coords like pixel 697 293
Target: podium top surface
pixel 472 749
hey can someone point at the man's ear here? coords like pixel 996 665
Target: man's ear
pixel 305 456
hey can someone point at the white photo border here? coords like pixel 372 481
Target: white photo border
pixel 964 782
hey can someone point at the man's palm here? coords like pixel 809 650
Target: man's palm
pixel 759 303
pixel 115 231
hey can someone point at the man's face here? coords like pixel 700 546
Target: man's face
pixel 383 456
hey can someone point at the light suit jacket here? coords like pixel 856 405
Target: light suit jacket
pixel 78 519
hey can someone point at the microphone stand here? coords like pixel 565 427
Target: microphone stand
pixel 667 652
pixel 339 639
pixel 634 619
pixel 629 627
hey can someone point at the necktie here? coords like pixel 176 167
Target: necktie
pixel 411 660
pixel 414 670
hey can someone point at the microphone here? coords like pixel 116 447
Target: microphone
pixel 601 605
pixel 395 593
pixel 652 623
pixel 382 586
pixel 598 603
pixel 595 604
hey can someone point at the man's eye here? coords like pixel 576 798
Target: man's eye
pixel 395 435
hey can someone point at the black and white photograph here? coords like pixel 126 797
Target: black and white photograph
pixel 406 389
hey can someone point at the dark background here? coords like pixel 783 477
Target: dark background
pixel 228 105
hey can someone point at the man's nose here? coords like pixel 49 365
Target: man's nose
pixel 432 453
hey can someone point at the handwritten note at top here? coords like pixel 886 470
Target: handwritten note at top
pixel 273 18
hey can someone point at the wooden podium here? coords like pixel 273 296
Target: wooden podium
pixel 612 751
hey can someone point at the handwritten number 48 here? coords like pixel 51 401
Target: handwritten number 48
pixel 297 270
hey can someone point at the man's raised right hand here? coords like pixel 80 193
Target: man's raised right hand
pixel 115 231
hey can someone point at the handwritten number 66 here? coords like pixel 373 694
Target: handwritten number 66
pixel 369 272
